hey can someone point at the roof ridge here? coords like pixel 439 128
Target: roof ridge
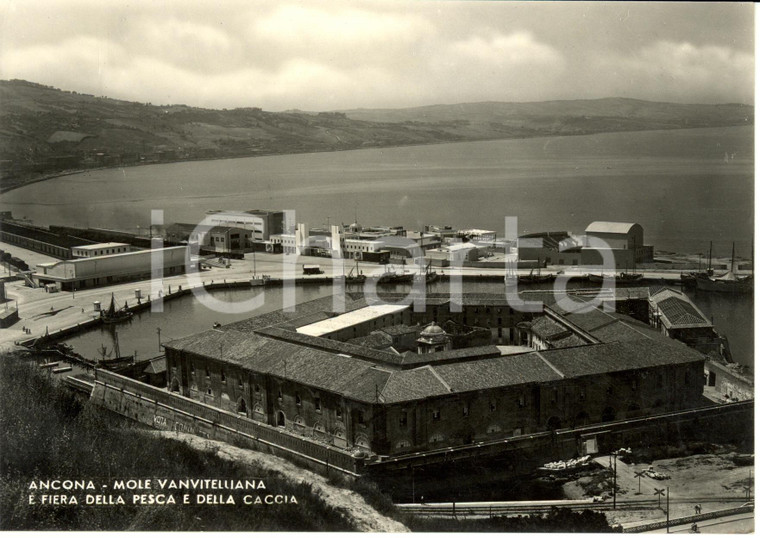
pixel 550 365
pixel 438 377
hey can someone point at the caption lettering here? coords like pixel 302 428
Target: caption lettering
pixel 155 491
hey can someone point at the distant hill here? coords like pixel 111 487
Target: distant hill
pixel 580 116
pixel 45 131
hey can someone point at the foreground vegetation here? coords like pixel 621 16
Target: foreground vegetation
pixel 49 432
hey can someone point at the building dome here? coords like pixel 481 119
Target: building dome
pixel 432 330
pixel 433 338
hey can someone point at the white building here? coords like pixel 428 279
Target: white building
pixel 99 249
pixel 105 270
pixel 261 223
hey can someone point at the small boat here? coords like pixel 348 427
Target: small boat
pixel 112 315
pixel 534 278
pixel 629 277
pixel 395 278
pixel 355 277
pixel 728 282
pixel 598 279
pixel 392 277
pixel 428 276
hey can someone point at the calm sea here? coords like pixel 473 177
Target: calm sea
pixel 686 187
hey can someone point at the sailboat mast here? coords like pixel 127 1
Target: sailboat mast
pixel 709 261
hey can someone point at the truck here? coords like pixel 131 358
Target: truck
pixel 312 270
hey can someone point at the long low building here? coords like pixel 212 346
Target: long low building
pixel 287 369
pixel 105 270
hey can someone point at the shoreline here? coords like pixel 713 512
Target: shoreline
pixel 46 177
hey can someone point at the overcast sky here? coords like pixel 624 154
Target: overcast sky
pixel 327 55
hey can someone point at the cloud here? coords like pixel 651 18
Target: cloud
pixel 681 71
pixel 517 49
pixel 337 54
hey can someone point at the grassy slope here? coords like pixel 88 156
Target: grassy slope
pixel 47 432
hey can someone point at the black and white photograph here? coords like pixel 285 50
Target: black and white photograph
pixel 377 266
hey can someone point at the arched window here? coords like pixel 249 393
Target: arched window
pixel 241 407
pixel 554 423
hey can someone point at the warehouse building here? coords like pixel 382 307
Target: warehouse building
pixel 307 372
pixel 106 270
pixel 99 249
pixel 623 243
pixel 261 223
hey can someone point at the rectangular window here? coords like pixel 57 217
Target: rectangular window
pixel 436 414
pixel 492 406
pixel 360 417
pixel 298 399
pixel 521 400
pixel 466 410
pixel 317 404
pixel 339 413
pixel 402 421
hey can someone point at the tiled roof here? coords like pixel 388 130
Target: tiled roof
pixel 547 328
pixel 618 356
pixel 496 372
pixel 156 366
pixel 439 357
pixel 396 330
pixel 334 346
pixel 413 385
pixel 677 310
pixel 571 340
pixel 374 340
pixel 367 375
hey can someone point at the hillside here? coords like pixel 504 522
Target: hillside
pixel 45 131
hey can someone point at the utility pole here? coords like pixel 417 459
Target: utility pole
pixel 158 330
pixel 412 483
pixel 667 510
pixel 614 482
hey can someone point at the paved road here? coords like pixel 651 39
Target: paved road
pixel 735 524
